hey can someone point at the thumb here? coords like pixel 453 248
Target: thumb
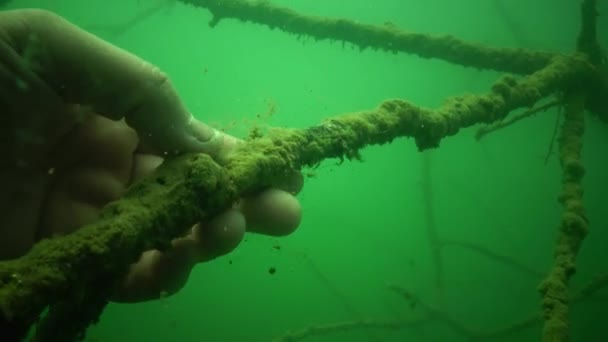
pixel 171 135
pixel 206 139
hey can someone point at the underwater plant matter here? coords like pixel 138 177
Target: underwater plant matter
pixel 73 274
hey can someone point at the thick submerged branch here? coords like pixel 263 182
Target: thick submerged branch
pixel 573 227
pixel 386 38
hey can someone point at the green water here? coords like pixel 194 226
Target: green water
pixel 365 223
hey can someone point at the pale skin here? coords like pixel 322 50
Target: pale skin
pixel 80 121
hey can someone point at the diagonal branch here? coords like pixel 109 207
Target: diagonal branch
pixel 510 120
pixel 494 256
pixel 120 29
pixel 386 38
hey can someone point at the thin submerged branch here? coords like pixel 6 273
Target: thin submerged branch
pixel 555 130
pixel 433 314
pixel 494 256
pixel 510 120
pixel 120 29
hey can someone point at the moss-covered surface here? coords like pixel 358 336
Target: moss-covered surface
pixel 386 38
pixel 573 226
pixel 392 39
pixel 80 265
pixel 343 136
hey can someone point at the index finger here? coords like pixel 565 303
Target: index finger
pixel 82 68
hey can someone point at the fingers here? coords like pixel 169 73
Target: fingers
pixel 219 236
pixel 158 273
pixel 272 212
pixel 211 141
pixel 195 137
pixel 88 70
pixel 144 164
pixel 292 183
pixel 117 84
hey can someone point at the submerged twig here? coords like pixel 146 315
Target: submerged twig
pixel 555 130
pixel 320 330
pixel 494 256
pixel 485 130
pixel 433 314
pixel 513 26
pixel 120 29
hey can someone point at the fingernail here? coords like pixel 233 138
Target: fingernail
pixel 201 131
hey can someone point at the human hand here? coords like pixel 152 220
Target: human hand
pixel 63 162
pixel 273 212
pixel 63 185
